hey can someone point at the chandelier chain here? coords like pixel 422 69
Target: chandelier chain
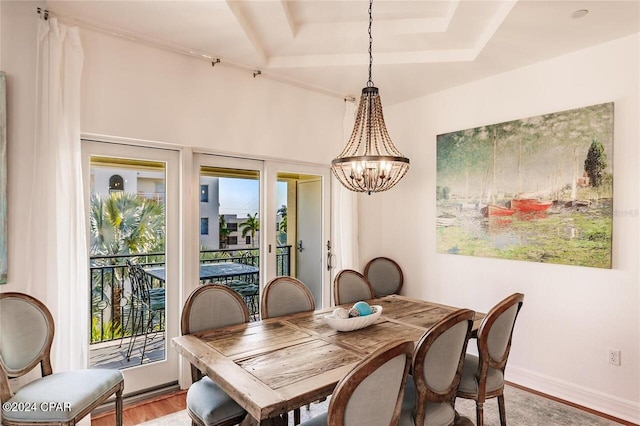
pixel 370 81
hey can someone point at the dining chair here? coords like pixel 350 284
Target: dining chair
pixel 351 286
pixel 208 307
pixel 483 375
pixel 437 368
pixel 147 306
pixel 384 275
pixel 285 296
pixel 371 393
pixel 54 398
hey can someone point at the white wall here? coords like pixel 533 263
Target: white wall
pixel 571 315
pixel 135 91
pixel 18 40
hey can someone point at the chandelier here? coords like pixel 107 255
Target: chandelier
pixel 370 162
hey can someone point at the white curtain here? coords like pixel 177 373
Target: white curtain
pixel 57 241
pixel 345 209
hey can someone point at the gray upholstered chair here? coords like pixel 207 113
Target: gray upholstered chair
pixel 55 399
pixel 371 394
pixel 209 307
pixel 437 367
pixel 351 286
pixel 285 296
pixel 384 275
pixel 483 375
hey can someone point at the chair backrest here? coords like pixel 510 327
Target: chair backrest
pixel 139 281
pixel 351 286
pixel 384 275
pixel 213 306
pixel 371 394
pixel 495 332
pixel 26 337
pixel 284 296
pixel 438 360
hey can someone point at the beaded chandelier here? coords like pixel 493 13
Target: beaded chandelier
pixel 370 162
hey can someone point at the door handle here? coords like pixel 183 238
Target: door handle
pixel 329 257
pixel 300 248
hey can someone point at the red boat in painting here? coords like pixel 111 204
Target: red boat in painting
pixel 529 205
pixel 492 210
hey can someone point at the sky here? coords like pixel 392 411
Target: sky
pixel 242 196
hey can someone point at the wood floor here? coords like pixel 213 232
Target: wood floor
pixel 145 410
pixel 166 404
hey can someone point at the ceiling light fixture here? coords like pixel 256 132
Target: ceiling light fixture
pixel 370 162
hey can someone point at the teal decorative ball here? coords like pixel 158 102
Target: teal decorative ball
pixel 363 308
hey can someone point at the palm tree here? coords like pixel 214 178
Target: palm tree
pixel 123 223
pixel 223 231
pixel 282 225
pixel 250 226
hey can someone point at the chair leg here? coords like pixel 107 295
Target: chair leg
pixel 146 334
pixel 503 416
pixel 119 407
pixel 479 413
pixel 296 416
pixel 138 318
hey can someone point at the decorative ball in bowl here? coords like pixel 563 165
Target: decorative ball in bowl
pixel 338 322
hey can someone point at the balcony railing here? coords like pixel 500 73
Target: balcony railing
pixel 111 287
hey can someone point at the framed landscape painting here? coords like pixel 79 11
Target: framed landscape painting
pixel 3 179
pixel 537 189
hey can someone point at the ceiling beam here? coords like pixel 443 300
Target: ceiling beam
pixel 247 28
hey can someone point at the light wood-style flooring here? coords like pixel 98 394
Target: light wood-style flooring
pixel 145 410
pixel 167 404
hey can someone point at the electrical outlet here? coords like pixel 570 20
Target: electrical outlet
pixel 614 356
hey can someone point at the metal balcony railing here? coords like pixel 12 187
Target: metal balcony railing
pixel 111 287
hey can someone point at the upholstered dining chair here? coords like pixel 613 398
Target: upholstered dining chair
pixel 483 375
pixel 285 296
pixel 371 393
pixel 208 307
pixel 437 368
pixel 55 398
pixel 384 275
pixel 351 286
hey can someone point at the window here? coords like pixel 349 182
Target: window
pixel 232 241
pixel 247 240
pixel 116 183
pixel 233 226
pixel 204 193
pixel 204 226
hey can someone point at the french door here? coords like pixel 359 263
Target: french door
pixel 270 215
pixel 132 198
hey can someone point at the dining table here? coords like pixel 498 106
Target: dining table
pixel 272 366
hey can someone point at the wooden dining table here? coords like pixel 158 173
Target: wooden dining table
pixel 273 366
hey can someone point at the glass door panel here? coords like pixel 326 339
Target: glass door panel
pixel 134 282
pixel 230 226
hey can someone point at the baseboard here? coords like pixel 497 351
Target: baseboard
pixel 617 407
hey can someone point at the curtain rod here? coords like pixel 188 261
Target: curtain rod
pixel 152 42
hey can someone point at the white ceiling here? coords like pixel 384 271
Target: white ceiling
pixel 419 46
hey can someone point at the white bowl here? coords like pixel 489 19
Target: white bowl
pixel 355 323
